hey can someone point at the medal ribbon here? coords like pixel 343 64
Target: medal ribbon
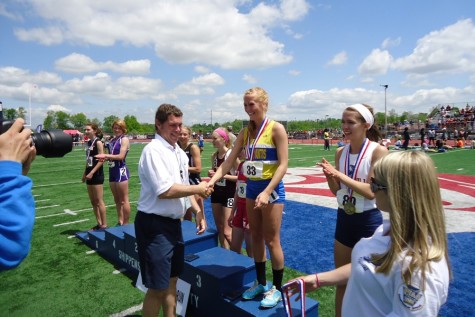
pixel 118 139
pixel 250 153
pixel 286 297
pixel 89 149
pixel 359 158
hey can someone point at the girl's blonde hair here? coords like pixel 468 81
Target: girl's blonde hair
pixel 187 128
pixel 417 217
pixel 121 124
pixel 262 97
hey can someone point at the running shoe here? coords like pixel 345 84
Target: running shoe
pixel 255 290
pixel 271 298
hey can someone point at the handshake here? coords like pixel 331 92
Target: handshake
pixel 205 189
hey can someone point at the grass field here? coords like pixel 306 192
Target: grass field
pixel 61 277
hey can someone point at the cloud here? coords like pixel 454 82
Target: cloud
pixel 249 79
pixel 206 32
pixel 294 72
pixel 293 10
pixel 103 85
pixel 450 50
pixel 202 69
pixel 202 85
pixel 376 63
pixel 7 14
pixel 46 36
pixel 78 64
pixel 17 76
pixel 388 43
pixel 338 59
pixel 57 108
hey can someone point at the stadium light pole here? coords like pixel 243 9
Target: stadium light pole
pixel 29 102
pixel 385 111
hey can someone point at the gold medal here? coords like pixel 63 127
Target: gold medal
pixel 349 208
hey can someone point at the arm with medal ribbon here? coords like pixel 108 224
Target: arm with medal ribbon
pixel 291 288
pixel 308 283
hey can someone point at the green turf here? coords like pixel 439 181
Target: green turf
pixel 61 278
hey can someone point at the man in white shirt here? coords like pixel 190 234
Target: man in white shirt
pixel 165 195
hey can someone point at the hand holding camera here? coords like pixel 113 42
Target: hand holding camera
pixel 16 145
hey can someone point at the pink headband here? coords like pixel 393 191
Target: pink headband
pixel 222 133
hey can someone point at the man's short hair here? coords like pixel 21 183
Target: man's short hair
pixel 165 110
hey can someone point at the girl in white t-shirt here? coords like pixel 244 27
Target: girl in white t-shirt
pixel 404 268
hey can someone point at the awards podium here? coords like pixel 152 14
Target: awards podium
pixel 217 276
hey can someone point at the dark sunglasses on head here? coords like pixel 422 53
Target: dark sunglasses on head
pixel 375 186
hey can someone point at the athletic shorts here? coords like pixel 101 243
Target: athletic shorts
pixel 97 178
pixel 194 178
pixel 351 228
pixel 223 198
pixel 118 174
pixel 161 249
pixel 254 188
pixel 240 216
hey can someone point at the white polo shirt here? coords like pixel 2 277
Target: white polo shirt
pixel 159 168
pixel 369 293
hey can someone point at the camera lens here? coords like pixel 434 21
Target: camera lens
pixel 52 143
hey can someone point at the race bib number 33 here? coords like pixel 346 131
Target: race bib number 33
pixel 253 169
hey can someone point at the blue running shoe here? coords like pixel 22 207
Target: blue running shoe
pixel 255 290
pixel 271 298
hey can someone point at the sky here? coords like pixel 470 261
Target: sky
pixel 314 58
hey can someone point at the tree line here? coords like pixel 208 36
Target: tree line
pixel 65 121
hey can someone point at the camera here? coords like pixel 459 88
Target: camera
pixel 48 143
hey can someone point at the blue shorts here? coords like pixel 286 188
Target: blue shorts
pixel 161 249
pixel 254 188
pixel 351 228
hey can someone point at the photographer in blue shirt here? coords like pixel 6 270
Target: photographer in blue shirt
pixel 17 206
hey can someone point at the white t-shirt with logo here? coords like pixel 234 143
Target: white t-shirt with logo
pixel 375 294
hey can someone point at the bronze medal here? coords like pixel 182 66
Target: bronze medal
pixel 349 208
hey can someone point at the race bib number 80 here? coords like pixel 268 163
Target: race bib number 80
pixel 356 199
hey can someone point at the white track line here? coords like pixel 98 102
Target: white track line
pixel 44 207
pixel 69 223
pixel 122 270
pixel 129 311
pixel 56 184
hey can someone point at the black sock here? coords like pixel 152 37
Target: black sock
pixel 277 276
pixel 261 272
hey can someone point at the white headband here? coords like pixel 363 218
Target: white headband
pixel 364 112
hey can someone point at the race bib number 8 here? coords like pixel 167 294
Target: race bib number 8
pixel 241 189
pixel 253 169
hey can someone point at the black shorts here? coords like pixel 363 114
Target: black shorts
pixel 161 249
pixel 97 178
pixel 224 198
pixel 351 228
